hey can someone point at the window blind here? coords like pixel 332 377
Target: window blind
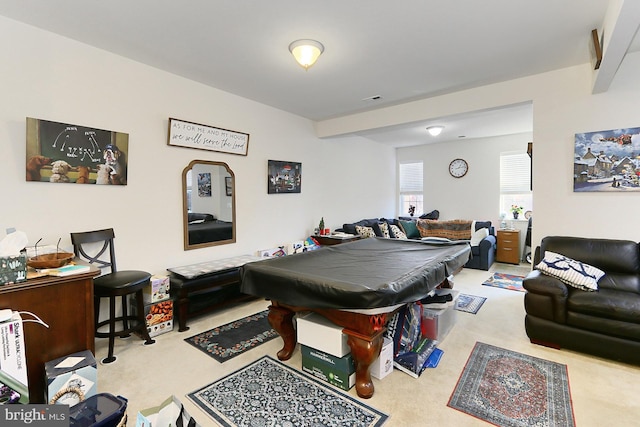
pixel 515 173
pixel 410 177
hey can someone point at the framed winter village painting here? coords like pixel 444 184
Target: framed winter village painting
pixel 607 160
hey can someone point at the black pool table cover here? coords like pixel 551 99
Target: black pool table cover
pixel 364 274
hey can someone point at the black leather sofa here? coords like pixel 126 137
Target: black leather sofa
pixel 606 322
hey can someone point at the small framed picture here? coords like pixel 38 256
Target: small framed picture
pixel 284 177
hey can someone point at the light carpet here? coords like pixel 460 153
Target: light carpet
pixel 511 389
pixel 270 393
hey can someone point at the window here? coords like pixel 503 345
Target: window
pixel 411 188
pixel 515 182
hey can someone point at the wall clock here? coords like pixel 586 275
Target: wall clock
pixel 458 168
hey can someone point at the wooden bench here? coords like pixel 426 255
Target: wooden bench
pixel 202 287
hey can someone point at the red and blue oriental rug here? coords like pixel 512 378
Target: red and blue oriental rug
pixel 505 281
pixel 511 389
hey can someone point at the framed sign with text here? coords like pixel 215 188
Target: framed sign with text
pixel 203 137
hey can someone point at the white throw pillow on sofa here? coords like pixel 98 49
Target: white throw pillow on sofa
pixel 573 273
pixel 478 235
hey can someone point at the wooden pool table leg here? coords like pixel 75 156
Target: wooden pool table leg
pixel 281 319
pixel 364 350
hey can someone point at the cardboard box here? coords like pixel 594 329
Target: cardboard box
pixel 13 360
pixel 77 370
pixel 437 323
pixel 157 290
pixel 13 269
pixel 317 332
pixel 159 317
pixel 383 365
pixel 338 371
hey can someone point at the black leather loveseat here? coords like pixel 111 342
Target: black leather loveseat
pixel 605 322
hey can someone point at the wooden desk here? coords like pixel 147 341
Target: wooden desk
pixel 66 305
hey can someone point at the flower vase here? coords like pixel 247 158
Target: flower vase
pixel 515 215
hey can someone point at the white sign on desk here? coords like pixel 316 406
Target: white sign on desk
pixel 203 137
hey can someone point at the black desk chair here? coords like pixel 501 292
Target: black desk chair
pixel 112 285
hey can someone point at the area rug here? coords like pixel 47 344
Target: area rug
pixel 270 393
pixel 505 281
pixel 228 341
pixel 512 389
pixel 469 303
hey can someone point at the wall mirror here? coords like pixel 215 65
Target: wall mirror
pixel 209 202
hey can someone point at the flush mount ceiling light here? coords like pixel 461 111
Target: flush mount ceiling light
pixel 306 52
pixel 435 130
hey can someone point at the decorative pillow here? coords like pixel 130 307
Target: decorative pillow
pixel 365 231
pixel 573 273
pixel 397 233
pixel 457 229
pixel 410 229
pixel 384 229
pixel 477 236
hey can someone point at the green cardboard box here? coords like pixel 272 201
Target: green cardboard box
pixel 337 371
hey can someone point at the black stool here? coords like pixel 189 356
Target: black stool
pixel 112 285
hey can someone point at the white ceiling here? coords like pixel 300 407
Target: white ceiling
pixel 400 51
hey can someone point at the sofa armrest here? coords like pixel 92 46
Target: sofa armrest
pixel 546 297
pixel 487 243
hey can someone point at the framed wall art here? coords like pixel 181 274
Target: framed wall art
pixel 607 160
pixel 68 153
pixel 203 137
pixel 228 185
pixel 284 177
pixel 204 184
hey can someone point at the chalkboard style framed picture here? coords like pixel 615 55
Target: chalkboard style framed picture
pixel 203 137
pixel 284 177
pixel 67 153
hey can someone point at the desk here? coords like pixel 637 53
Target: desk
pixel 66 305
pixel 345 282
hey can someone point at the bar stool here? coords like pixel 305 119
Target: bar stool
pixel 91 246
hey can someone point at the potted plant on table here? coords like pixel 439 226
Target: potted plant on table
pixel 516 211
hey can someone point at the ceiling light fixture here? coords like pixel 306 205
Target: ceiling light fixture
pixel 306 52
pixel 435 130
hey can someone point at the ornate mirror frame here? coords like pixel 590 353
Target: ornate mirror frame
pixel 210 224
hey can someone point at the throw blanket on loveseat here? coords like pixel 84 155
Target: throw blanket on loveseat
pixel 457 229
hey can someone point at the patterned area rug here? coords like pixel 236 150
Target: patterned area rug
pixel 269 393
pixel 505 281
pixel 228 341
pixel 469 303
pixel 511 389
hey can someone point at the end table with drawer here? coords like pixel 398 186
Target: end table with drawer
pixel 508 246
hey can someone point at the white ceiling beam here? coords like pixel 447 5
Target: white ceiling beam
pixel 618 30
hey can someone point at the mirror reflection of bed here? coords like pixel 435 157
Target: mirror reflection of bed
pixel 208 204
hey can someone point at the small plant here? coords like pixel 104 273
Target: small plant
pixel 516 209
pixel 412 210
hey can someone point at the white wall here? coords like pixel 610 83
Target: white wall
pixel 49 77
pixel 563 105
pixel 477 194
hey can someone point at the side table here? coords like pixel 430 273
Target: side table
pixel 334 240
pixel 508 243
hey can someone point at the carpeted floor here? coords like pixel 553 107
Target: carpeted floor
pixel 469 303
pixel 505 281
pixel 511 389
pixel 232 339
pixel 268 392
